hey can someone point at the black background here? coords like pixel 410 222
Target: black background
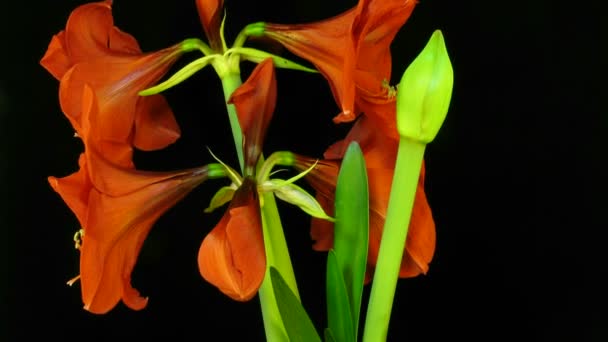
pixel 513 178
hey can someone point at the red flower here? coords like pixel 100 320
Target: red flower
pixel 352 50
pixel 92 50
pixel 380 154
pixel 116 207
pixel 232 255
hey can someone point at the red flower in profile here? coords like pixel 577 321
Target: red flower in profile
pixel 352 50
pixel 91 50
pixel 380 153
pixel 116 207
pixel 232 255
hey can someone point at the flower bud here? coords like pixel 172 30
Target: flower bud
pixel 424 92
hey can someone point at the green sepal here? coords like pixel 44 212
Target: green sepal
pixel 193 44
pixel 255 29
pixel 298 325
pixel 180 76
pixel 424 92
pixel 256 56
pixel 221 197
pixel 339 315
pixel 295 195
pixel 351 228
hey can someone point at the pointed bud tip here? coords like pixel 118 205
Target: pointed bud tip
pixel 425 91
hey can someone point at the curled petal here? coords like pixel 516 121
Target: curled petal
pixel 55 60
pixel 232 255
pixel 74 190
pixel 90 33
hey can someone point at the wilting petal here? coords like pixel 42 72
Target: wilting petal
pixel 210 11
pixel 255 101
pixel 116 227
pixel 232 255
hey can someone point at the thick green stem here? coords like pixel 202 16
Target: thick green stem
pixel 277 254
pixel 401 202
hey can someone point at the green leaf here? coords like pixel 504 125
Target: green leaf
pixel 339 316
pixel 352 226
pixel 298 325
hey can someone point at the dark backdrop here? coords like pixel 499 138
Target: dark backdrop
pixel 512 178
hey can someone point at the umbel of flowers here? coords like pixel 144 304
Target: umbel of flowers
pixel 109 91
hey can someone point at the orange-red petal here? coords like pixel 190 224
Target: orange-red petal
pixel 117 224
pixel 74 190
pixel 91 50
pixel 232 255
pixel 55 60
pixel 255 101
pixel 209 12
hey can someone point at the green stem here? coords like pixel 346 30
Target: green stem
pixel 401 202
pixel 230 82
pixel 277 254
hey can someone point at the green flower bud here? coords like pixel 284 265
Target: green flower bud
pixel 424 92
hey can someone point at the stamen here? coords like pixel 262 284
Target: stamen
pixel 73 280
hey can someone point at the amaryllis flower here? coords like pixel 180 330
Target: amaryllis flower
pixel 116 207
pixel 92 50
pixel 232 255
pixel 352 50
pixel 380 154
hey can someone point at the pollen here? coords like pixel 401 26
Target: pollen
pixel 78 238
pixel 391 90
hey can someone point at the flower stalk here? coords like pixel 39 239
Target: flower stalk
pixel 277 254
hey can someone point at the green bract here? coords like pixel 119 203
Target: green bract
pixel 424 92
